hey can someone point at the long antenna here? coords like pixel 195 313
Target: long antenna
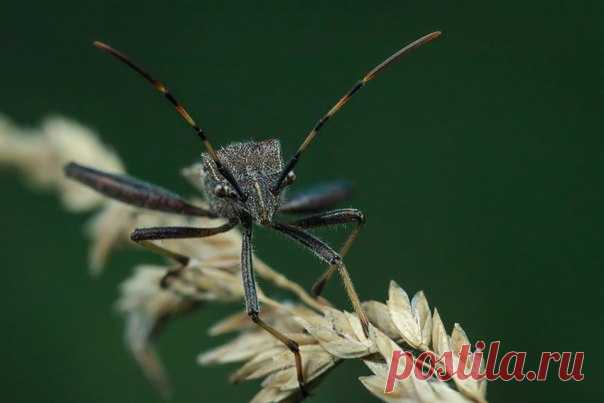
pixel 162 88
pixel 342 101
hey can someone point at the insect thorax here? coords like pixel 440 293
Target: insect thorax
pixel 255 166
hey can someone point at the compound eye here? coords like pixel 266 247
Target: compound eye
pixel 223 190
pixel 290 178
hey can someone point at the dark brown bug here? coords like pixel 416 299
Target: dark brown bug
pixel 244 183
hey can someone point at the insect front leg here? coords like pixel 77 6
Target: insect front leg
pixel 154 233
pixel 181 260
pixel 252 306
pixel 332 258
pixel 326 219
pixel 144 236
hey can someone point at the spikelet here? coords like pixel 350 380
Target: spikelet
pixel 40 154
pixel 330 337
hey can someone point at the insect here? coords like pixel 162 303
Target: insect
pixel 244 183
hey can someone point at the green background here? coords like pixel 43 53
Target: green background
pixel 478 161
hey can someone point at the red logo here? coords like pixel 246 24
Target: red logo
pixel 511 366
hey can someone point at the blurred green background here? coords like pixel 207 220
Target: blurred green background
pixel 478 161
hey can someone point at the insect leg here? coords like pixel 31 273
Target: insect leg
pixel 317 198
pixel 253 307
pixel 133 191
pixel 173 272
pixel 329 218
pixel 332 258
pixel 153 233
pixel 144 236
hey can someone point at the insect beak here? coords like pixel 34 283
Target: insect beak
pixel 263 213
